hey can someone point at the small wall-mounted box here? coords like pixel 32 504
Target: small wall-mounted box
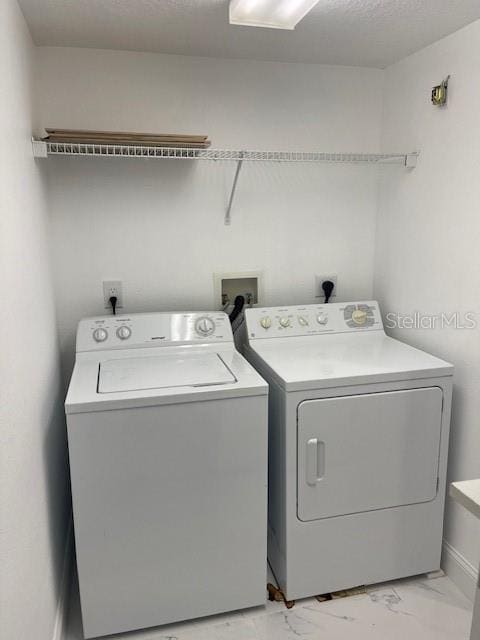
pixel 440 93
pixel 227 286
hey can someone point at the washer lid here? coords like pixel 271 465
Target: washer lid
pixel 163 372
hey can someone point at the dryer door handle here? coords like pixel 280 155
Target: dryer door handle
pixel 315 461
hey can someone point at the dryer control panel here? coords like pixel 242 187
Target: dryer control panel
pixel 152 330
pixel 313 319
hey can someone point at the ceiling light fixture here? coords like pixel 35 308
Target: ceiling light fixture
pixel 274 14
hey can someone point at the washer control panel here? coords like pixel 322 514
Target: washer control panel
pixel 152 329
pixel 314 319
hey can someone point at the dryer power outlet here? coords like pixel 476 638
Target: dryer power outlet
pixel 112 288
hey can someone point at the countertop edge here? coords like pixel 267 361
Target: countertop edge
pixel 467 493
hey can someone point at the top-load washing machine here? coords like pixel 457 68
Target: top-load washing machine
pixel 358 439
pixel 167 436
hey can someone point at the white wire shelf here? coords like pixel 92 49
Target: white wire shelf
pixel 45 148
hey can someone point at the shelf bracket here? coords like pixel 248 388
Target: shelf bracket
pixel 411 160
pixel 39 148
pixel 228 217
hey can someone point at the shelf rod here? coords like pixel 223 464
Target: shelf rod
pixel 228 217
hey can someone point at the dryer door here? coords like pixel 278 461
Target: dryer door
pixel 366 452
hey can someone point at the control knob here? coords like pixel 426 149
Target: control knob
pixel 100 335
pixel 205 326
pixel 266 322
pixel 302 321
pixel 124 332
pixel 322 318
pixel 359 316
pixel 284 322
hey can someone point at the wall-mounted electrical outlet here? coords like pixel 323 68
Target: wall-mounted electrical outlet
pixel 319 280
pixel 112 288
pixel 227 286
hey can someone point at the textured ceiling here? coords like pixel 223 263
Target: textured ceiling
pixel 373 33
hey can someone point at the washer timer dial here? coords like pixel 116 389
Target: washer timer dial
pixel 204 326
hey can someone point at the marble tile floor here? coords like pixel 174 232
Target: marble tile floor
pixel 413 609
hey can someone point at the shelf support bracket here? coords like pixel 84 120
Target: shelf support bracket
pixel 228 217
pixel 411 160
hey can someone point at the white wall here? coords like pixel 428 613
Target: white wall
pixel 429 236
pixel 33 484
pixel 158 225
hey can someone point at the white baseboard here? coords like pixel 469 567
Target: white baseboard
pixel 59 631
pixel 459 570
